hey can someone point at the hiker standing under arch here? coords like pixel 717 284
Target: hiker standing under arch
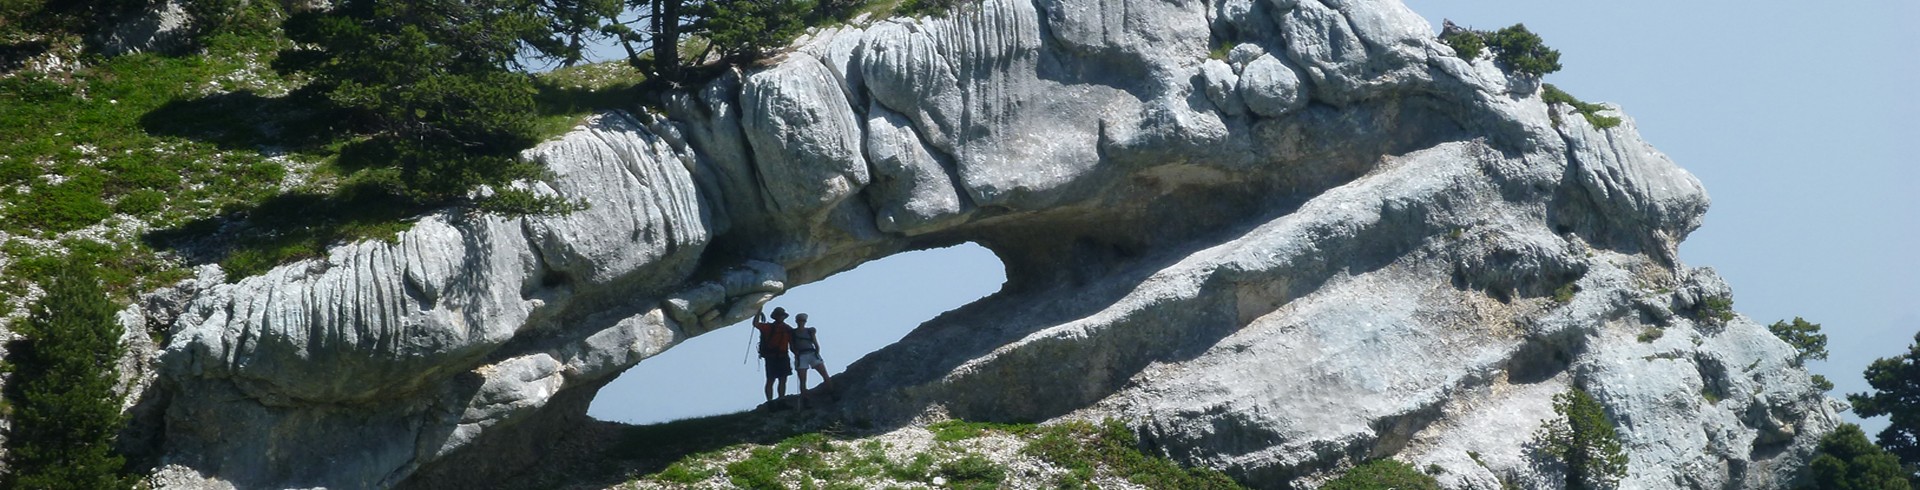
pixel 774 339
pixel 806 354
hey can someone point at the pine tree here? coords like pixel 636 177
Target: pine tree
pixel 67 414
pixel 1896 394
pixel 1583 438
pixel 1846 461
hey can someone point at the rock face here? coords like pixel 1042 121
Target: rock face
pixel 1341 243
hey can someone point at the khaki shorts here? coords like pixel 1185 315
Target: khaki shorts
pixel 805 360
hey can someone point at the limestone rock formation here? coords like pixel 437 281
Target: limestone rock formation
pixel 1341 243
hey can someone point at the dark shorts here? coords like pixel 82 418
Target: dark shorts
pixel 779 366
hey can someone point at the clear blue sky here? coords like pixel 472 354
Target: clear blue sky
pixel 1798 117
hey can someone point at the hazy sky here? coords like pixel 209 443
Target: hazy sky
pixel 1798 117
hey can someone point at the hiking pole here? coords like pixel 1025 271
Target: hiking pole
pixel 748 352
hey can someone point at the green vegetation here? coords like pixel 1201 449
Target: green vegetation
pixel 60 18
pixel 1383 474
pixel 1553 95
pixel 1079 452
pixel 1513 46
pixel 1581 436
pixel 960 430
pixel 1564 293
pixel 1846 461
pixel 427 89
pixel 1524 51
pixel 66 414
pixel 972 471
pixel 1805 338
pixel 1650 334
pixel 282 135
pixel 1466 43
pixel 750 29
pixel 1085 449
pixel 1896 394
pixel 1714 308
pixel 935 8
pixel 1220 51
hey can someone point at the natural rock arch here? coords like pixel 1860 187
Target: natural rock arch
pixel 857 311
pixel 1338 243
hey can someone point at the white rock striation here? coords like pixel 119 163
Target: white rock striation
pixel 1340 243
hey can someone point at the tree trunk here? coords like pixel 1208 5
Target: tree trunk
pixel 666 42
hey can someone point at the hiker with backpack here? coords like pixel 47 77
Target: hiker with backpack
pixel 774 339
pixel 806 354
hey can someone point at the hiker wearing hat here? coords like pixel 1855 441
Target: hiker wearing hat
pixel 774 339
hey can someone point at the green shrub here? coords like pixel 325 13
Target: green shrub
pixel 1383 474
pixel 750 29
pixel 1467 43
pixel 1581 436
pixel 1564 293
pixel 760 470
pixel 520 202
pixel 66 414
pixel 1514 47
pixel 1524 51
pixel 1083 448
pixel 1711 395
pixel 1845 460
pixel 916 469
pixel 1715 308
pixel 684 472
pixel 972 471
pixel 1221 51
pixel 958 430
pixel 1553 95
pixel 141 202
pixel 1806 339
pixel 934 8
pixel 1651 334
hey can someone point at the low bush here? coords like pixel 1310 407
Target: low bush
pixel 1468 44
pixel 1553 95
pixel 1524 51
pixel 1383 474
pixel 1650 334
pixel 1715 308
pixel 972 472
pixel 1083 448
pixel 1514 46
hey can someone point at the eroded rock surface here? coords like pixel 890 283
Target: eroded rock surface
pixel 1342 242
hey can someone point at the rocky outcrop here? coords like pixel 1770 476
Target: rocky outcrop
pixel 1342 242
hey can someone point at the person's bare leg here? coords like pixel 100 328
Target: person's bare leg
pixel 770 389
pixel 803 388
pixel 783 386
pixel 822 368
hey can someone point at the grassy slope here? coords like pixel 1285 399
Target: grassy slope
pixel 794 450
pixel 147 163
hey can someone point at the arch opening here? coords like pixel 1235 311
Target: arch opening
pixel 857 312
